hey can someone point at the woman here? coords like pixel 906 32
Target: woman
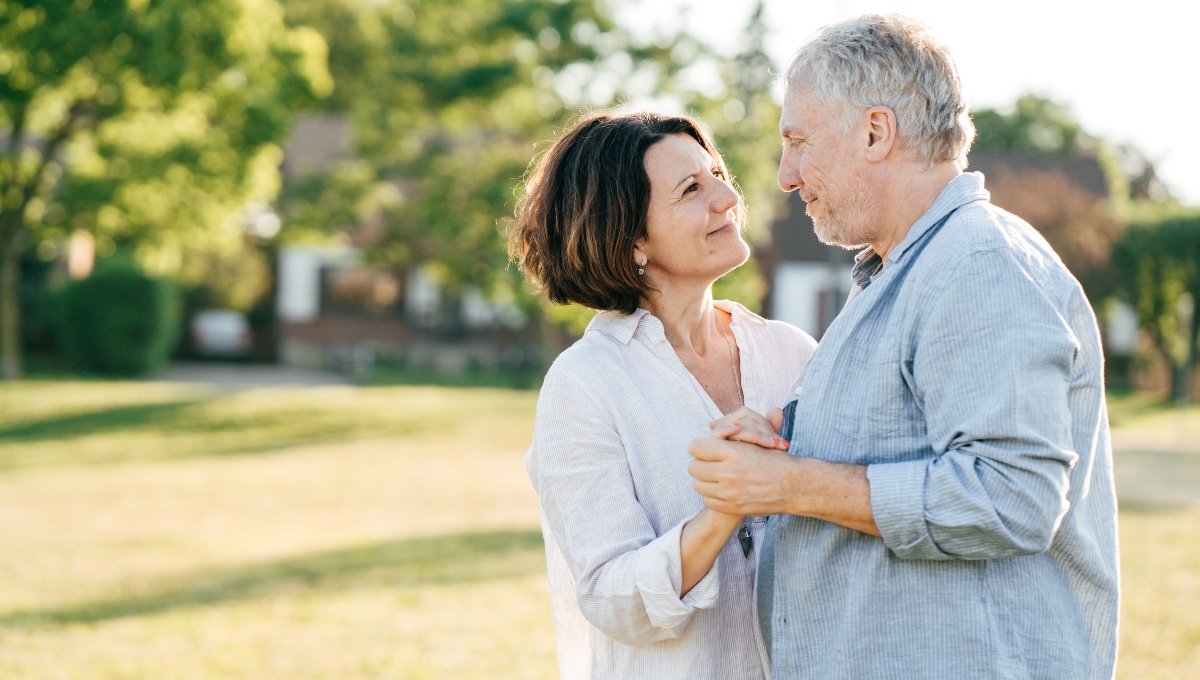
pixel 636 216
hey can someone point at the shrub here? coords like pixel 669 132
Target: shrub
pixel 118 320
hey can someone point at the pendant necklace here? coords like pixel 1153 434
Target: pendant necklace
pixel 743 532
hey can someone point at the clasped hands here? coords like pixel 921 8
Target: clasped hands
pixel 743 468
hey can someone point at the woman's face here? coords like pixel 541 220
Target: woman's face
pixel 692 233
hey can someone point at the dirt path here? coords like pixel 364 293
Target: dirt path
pixel 1157 463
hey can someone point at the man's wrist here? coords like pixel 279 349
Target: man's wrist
pixel 799 501
pixel 834 492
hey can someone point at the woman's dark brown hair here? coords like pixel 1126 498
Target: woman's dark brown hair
pixel 585 206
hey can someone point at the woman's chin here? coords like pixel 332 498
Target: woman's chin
pixel 736 258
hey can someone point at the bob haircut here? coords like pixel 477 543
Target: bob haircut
pixel 585 207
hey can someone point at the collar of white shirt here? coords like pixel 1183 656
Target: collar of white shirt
pixel 624 326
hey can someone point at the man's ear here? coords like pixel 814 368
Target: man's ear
pixel 882 132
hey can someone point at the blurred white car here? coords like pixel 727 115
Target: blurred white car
pixel 221 333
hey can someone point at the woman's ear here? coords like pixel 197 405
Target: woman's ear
pixel 639 255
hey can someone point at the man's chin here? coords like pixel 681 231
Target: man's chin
pixel 830 235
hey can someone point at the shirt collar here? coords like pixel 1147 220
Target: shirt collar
pixel 624 326
pixel 867 264
pixel 618 325
pixel 964 189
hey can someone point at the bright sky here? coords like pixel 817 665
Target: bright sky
pixel 1128 70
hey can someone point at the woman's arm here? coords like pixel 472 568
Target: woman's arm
pixel 701 542
pixel 629 578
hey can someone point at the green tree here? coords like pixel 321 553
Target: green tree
pixel 1160 263
pixel 449 101
pixel 145 121
pixel 1036 125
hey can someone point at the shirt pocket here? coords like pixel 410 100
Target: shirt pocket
pixel 873 400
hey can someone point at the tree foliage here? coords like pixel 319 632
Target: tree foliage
pixel 451 99
pixel 1160 265
pixel 1036 125
pixel 143 121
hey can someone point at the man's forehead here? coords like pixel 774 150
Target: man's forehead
pixel 801 113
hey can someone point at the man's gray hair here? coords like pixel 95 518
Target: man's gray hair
pixel 891 61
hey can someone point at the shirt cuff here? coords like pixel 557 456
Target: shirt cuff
pixel 898 504
pixel 659 577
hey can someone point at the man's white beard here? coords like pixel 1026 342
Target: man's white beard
pixel 848 221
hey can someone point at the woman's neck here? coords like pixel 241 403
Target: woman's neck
pixel 686 315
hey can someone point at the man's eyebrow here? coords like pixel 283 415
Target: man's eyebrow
pixel 795 129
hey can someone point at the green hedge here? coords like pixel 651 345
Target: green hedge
pixel 117 321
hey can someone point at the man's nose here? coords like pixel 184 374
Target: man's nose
pixel 788 177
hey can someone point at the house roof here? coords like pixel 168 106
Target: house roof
pixel 1084 171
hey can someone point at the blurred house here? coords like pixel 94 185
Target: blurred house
pixel 1065 197
pixel 334 310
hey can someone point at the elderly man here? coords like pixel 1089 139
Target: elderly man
pixel 946 507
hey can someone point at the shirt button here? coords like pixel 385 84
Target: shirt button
pixel 799 390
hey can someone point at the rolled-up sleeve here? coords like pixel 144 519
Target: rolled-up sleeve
pixel 627 578
pixel 991 367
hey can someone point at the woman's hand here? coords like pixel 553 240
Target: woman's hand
pixel 747 425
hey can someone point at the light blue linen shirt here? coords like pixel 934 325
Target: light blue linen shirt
pixel 968 377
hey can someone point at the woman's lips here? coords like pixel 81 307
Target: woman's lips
pixel 721 230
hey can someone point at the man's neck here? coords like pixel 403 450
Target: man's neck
pixel 905 200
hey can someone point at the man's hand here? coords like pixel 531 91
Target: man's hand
pixel 744 479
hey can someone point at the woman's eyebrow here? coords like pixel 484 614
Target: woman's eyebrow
pixel 712 165
pixel 683 180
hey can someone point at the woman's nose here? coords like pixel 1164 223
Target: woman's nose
pixel 726 199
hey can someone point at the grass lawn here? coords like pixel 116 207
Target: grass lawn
pixel 152 530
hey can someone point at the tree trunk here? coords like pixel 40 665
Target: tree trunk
pixel 1181 376
pixel 1181 384
pixel 10 311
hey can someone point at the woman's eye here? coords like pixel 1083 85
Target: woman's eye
pixel 693 187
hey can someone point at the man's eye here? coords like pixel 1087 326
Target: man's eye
pixel 693 187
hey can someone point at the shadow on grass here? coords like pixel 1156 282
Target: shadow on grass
pixel 438 560
pixel 97 422
pixel 203 427
pixel 516 379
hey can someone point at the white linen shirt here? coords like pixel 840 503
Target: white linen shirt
pixel 609 462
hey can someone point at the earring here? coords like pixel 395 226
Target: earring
pixel 641 271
